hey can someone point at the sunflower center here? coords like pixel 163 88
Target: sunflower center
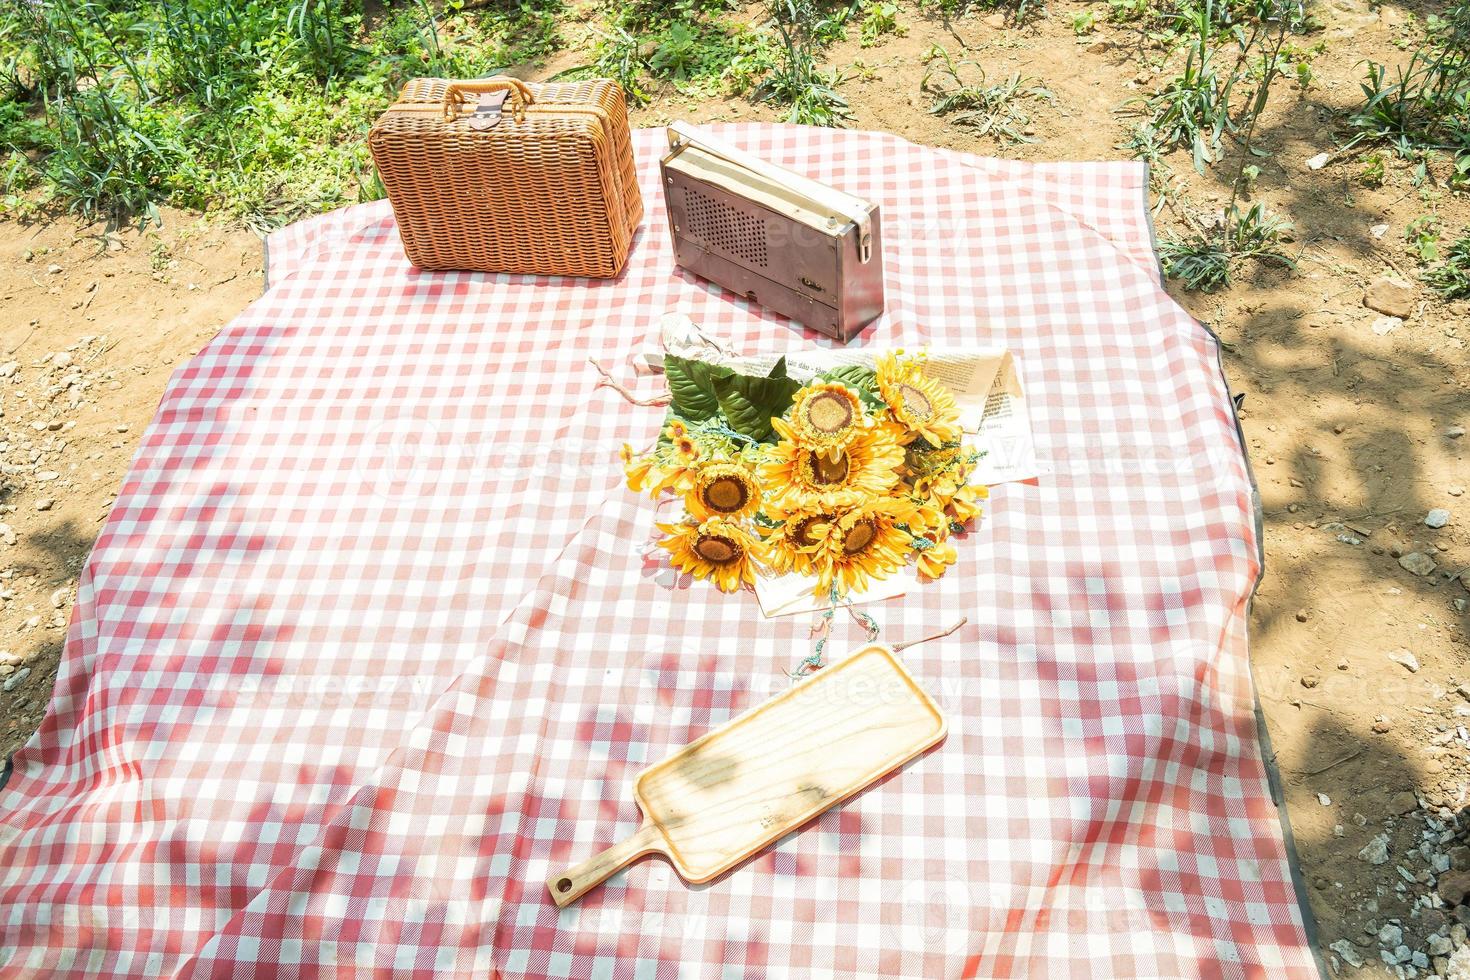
pixel 726 494
pixel 829 470
pixel 828 413
pixel 859 536
pixel 802 534
pixel 915 402
pixel 716 549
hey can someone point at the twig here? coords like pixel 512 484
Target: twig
pixel 900 647
pixel 609 381
pixel 1331 765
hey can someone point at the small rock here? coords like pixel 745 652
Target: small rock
pixel 61 359
pixel 1453 885
pixel 996 21
pixel 1418 959
pixel 1390 296
pixel 45 503
pixel 1386 325
pixel 1403 803
pixel 59 597
pixel 1382 726
pixel 1440 945
pixel 1418 563
pixel 1453 432
pixel 1310 680
pixel 9 368
pixel 1375 851
pixel 1349 955
pixel 1405 659
pixel 1437 518
pixel 1302 615
pixel 16 679
pixel 54 269
pixel 1319 161
pixel 46 476
pixel 1343 665
pixel 1099 47
pixel 120 428
pixel 1391 935
pixel 1455 491
pixel 1460 857
pixel 1378 231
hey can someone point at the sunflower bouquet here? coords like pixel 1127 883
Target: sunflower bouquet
pixel 844 478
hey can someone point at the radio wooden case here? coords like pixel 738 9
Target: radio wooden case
pixel 789 243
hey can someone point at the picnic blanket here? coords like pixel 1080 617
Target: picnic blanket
pixel 375 638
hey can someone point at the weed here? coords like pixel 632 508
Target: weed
pixel 1193 110
pixel 881 19
pixel 795 80
pixel 1371 173
pixel 1422 234
pixel 1084 23
pixel 992 110
pixel 1426 103
pixel 1451 278
pixel 1206 261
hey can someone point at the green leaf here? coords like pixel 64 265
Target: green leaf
pixel 749 404
pixel 691 383
pixel 860 379
pixel 778 370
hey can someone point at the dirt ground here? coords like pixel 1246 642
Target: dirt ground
pixel 1355 433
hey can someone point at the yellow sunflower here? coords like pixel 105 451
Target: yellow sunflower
pixel 721 551
pixel 826 417
pixel 803 478
pixel 934 562
pixel 861 544
pixel 722 490
pixel 638 469
pixel 924 406
pixel 793 546
pixel 676 429
pixel 966 502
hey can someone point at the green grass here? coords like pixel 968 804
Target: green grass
pixel 1451 278
pixel 998 110
pixel 255 108
pixel 1208 261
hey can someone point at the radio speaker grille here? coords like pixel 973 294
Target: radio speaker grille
pixel 741 235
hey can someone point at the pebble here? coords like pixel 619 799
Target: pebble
pixel 54 269
pixel 1440 945
pixel 1453 432
pixel 1403 802
pixel 1310 680
pixel 1378 231
pixel 1437 518
pixel 9 368
pixel 1418 563
pixel 1459 856
pixel 1453 885
pixel 59 597
pixel 1391 935
pixel 1349 955
pixel 1375 851
pixel 1319 161
pixel 1391 297
pixel 45 503
pixel 61 359
pixel 1404 659
pixel 1385 325
pixel 16 679
pixel 1302 615
pixel 1455 491
pixel 1382 726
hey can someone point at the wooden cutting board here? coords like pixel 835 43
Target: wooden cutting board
pixel 766 772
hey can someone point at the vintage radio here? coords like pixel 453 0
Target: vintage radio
pixel 787 242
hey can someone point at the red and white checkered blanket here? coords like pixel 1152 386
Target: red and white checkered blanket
pixel 373 639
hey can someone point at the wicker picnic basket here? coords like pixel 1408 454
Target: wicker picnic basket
pixel 500 175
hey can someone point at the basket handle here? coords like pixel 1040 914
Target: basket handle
pixel 520 94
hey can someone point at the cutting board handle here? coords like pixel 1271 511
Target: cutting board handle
pixel 571 884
